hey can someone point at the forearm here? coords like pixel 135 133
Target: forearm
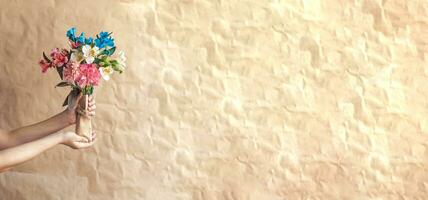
pixel 33 132
pixel 19 154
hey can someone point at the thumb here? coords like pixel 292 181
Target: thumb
pixel 73 99
pixel 78 97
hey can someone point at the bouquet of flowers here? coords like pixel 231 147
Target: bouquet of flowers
pixel 82 66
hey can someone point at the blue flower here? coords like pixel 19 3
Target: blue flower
pixel 104 40
pixel 81 38
pixel 103 34
pixel 71 34
pixel 88 40
pixel 109 42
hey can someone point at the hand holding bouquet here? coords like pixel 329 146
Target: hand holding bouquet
pixel 81 68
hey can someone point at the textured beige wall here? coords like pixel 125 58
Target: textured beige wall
pixel 230 99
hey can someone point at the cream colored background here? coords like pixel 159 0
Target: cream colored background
pixel 308 99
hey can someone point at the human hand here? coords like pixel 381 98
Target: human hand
pixel 73 107
pixel 75 141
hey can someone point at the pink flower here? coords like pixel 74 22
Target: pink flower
pixel 88 75
pixel 44 65
pixel 59 58
pixel 71 72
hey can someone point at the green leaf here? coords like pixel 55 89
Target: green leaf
pixel 75 92
pixel 97 60
pixel 88 90
pixel 62 84
pixel 111 51
pixel 85 90
pixel 45 57
pixel 59 70
pixel 66 100
pixel 69 55
pixel 116 68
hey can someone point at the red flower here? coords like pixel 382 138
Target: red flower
pixel 44 65
pixel 74 45
pixel 59 58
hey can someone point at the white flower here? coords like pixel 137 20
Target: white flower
pixel 89 53
pixel 106 72
pixel 120 57
pixel 76 56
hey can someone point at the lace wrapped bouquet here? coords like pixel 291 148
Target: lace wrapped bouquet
pixel 82 66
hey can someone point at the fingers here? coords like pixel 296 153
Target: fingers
pixel 78 138
pixel 86 113
pixel 82 145
pixel 91 106
pixel 91 101
pixel 87 143
pixel 91 109
pixel 86 139
pixel 94 136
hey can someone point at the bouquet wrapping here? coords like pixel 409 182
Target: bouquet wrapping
pixel 81 67
pixel 83 122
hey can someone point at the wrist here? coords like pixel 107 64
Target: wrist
pixel 70 117
pixel 65 137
